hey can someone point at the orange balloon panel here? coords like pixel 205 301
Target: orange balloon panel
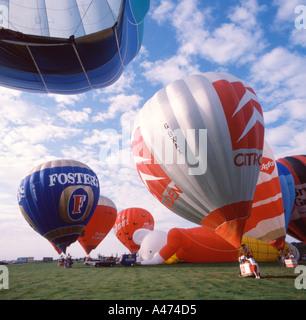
pixel 99 225
pixel 199 244
pixel 128 221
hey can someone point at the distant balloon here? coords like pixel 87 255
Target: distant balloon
pixel 288 190
pixel 66 46
pixel 267 219
pixel 99 225
pixel 129 220
pixel 58 198
pixel 197 145
pixel 297 224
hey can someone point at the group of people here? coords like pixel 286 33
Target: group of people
pixel 285 255
pixel 246 256
pixel 65 261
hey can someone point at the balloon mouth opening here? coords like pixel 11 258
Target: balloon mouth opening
pixel 65 241
pixel 278 243
pixel 229 221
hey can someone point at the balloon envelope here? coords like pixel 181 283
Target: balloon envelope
pixel 288 190
pixel 68 47
pixel 199 245
pixel 267 219
pixel 197 146
pixel 99 225
pixel 58 198
pixel 297 224
pixel 129 220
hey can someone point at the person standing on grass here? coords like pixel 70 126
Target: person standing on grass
pixel 253 265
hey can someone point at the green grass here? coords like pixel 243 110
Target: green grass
pixel 182 281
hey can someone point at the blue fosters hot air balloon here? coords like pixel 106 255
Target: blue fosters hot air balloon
pixel 68 46
pixel 58 198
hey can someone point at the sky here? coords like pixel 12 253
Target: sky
pixel 261 42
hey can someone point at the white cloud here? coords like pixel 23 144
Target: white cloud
pixel 124 83
pixel 279 75
pixel 286 11
pixel 298 37
pixel 287 139
pixel 118 104
pixel 237 42
pixel 166 71
pixel 160 13
pixel 63 100
pixel 231 43
pixel 73 116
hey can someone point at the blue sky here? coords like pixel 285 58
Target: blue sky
pixel 256 41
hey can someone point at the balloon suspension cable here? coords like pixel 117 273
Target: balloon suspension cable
pixel 118 46
pixel 83 17
pixel 80 61
pixel 37 68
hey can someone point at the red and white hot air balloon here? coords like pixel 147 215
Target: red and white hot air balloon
pixel 197 145
pixel 267 220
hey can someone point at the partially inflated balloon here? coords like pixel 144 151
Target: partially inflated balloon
pixel 99 225
pixel 129 220
pixel 267 220
pixel 288 190
pixel 197 145
pixel 195 245
pixel 58 198
pixel 297 224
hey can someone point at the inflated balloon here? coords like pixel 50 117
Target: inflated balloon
pixel 195 245
pixel 68 47
pixel 267 220
pixel 197 145
pixel 99 225
pixel 288 190
pixel 58 198
pixel 297 224
pixel 129 220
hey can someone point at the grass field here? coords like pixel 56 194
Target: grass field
pixel 182 281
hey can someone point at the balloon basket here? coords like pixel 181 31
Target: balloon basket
pixel 291 263
pixel 245 270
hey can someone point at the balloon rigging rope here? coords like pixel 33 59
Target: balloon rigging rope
pixel 81 20
pixel 118 47
pixel 37 68
pixel 81 64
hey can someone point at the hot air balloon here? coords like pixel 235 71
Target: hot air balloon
pixel 195 245
pixel 267 219
pixel 297 224
pixel 129 220
pixel 68 46
pixel 288 190
pixel 57 198
pixel 99 225
pixel 197 146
